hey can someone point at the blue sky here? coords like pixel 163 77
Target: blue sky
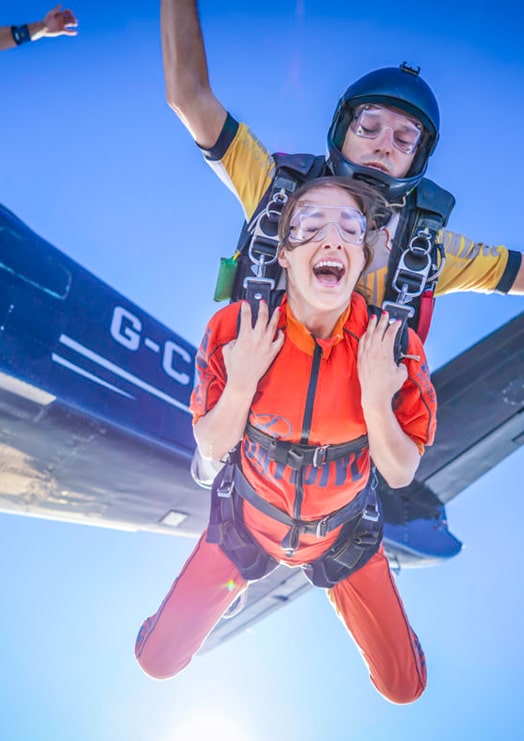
pixel 95 162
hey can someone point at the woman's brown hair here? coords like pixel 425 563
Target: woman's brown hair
pixel 372 204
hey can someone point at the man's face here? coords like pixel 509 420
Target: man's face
pixel 382 138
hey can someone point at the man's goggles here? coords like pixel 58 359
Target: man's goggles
pixel 371 121
pixel 311 223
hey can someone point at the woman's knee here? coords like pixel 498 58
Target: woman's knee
pixel 404 694
pixel 405 682
pixel 154 657
pixel 156 666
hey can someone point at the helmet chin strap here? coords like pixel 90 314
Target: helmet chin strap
pixel 393 189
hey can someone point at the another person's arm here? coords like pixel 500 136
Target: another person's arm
pixel 246 360
pixel 188 90
pixel 393 451
pixel 479 267
pixel 517 288
pixel 56 22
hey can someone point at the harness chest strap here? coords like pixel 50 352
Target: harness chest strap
pixel 296 455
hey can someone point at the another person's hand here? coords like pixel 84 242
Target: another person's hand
pixel 59 22
pixel 380 377
pixel 248 357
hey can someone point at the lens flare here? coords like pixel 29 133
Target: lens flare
pixel 211 725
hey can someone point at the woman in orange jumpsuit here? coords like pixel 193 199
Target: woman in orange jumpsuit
pixel 311 398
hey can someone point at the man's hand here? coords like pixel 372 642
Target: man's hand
pixel 248 357
pixel 59 22
pixel 380 377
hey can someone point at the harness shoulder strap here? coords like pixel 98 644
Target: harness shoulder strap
pixel 417 257
pixel 254 273
pixel 300 167
pixel 434 199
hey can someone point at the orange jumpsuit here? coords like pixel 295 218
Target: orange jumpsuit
pixel 311 393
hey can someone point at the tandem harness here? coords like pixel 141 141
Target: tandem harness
pixel 253 273
pixel 361 519
pixel 416 260
pixel 417 256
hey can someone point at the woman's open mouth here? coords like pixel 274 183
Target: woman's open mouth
pixel 329 272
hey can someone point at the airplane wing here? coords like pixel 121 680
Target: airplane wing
pixel 480 404
pixel 479 423
pixel 94 418
pixel 95 424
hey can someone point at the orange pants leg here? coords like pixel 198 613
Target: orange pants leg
pixel 369 605
pixel 207 585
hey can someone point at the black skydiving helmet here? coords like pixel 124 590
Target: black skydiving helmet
pixel 394 87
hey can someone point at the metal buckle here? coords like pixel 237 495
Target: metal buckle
pixel 225 489
pixel 320 455
pixel 322 526
pixel 274 454
pixel 295 459
pixel 398 311
pixel 291 541
pixel 422 242
pixel 371 513
pixel 269 237
pixel 410 279
pixel 259 288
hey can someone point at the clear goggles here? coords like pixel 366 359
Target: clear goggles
pixel 310 223
pixel 371 121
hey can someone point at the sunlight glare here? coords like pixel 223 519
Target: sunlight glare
pixel 213 726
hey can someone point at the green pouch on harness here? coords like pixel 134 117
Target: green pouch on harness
pixel 225 278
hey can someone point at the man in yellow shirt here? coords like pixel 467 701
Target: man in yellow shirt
pixel 384 130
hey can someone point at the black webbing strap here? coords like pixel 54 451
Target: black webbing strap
pixel 417 257
pixel 296 456
pixel 257 247
pixel 321 527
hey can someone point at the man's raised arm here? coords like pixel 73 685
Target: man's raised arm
pixel 188 90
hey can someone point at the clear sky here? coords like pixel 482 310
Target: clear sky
pixel 95 162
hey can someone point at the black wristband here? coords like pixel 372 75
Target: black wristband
pixel 20 34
